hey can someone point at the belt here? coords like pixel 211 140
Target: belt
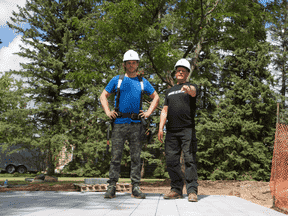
pixel 133 116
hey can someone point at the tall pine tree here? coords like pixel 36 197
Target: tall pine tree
pixel 242 127
pixel 236 133
pixel 50 36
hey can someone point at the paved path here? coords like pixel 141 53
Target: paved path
pixel 93 203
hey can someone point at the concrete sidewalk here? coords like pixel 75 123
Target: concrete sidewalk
pixel 93 203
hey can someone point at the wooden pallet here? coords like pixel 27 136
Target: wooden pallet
pixel 120 187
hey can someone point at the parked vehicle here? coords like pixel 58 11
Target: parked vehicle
pixel 21 161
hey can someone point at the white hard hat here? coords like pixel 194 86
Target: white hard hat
pixel 131 55
pixel 183 63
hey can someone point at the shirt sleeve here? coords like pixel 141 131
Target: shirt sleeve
pixel 112 85
pixel 148 88
pixel 197 89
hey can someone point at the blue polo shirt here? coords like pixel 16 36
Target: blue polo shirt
pixel 130 95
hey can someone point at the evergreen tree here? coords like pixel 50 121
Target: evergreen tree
pixel 49 85
pixel 16 124
pixel 244 119
pixel 8 103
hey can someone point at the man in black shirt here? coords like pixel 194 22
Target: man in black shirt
pixel 179 108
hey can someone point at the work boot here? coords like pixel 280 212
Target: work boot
pixel 137 193
pixel 172 195
pixel 110 193
pixel 192 197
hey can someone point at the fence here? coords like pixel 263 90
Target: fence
pixel 279 171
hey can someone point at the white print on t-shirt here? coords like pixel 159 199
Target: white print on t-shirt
pixel 175 92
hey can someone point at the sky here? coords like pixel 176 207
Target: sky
pixel 11 41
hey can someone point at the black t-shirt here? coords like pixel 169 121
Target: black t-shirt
pixel 181 107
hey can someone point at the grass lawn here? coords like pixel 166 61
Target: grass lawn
pixel 21 180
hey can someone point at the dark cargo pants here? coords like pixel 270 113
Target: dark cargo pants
pixel 121 133
pixel 175 141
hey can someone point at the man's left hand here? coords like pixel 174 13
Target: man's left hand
pixel 143 114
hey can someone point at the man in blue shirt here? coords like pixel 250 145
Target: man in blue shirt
pixel 126 126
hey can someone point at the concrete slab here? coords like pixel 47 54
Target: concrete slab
pixel 93 203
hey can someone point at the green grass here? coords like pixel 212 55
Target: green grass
pixel 17 178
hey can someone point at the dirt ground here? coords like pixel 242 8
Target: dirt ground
pixel 256 192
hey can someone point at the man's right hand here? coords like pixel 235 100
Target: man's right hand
pixel 160 136
pixel 112 114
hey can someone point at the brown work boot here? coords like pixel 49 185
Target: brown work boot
pixel 137 193
pixel 110 193
pixel 172 195
pixel 192 197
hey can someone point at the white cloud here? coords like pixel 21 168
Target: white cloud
pixel 9 60
pixel 7 7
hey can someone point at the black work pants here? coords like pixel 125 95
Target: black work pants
pixel 121 133
pixel 175 141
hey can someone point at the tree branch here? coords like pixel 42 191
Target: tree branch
pixel 212 9
pixel 199 45
pixel 154 66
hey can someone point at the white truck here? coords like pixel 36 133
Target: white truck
pixel 21 161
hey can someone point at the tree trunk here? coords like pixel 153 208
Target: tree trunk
pixel 143 169
pixel 51 167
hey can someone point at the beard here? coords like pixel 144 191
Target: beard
pixel 127 71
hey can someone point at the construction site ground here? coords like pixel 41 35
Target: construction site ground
pixel 254 192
